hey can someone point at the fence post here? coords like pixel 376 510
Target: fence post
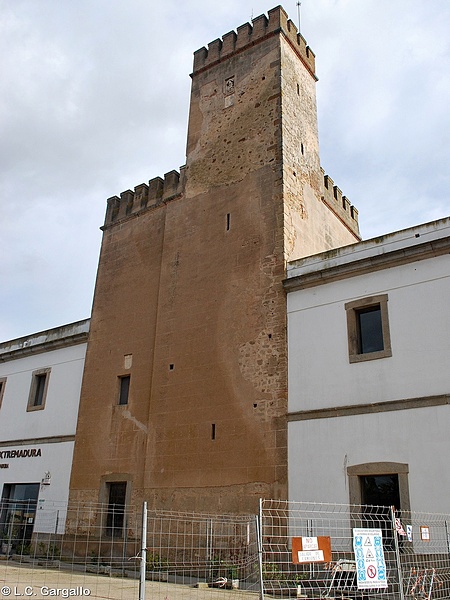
pixel 143 553
pixel 397 555
pixel 259 537
pixel 209 548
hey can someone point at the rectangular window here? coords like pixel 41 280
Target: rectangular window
pixel 124 389
pixel 378 494
pixel 378 488
pixel 115 517
pixel 38 390
pixel 368 329
pixel 18 510
pixel 2 388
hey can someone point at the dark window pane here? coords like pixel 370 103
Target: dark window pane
pixel 379 493
pixel 124 389
pixel 380 490
pixel 21 491
pixel 17 513
pixel 370 330
pixel 40 387
pixel 116 509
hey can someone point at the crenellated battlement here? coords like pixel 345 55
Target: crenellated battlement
pixel 157 192
pixel 339 204
pixel 249 35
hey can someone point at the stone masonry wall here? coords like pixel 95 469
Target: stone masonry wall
pixel 309 223
pixel 189 298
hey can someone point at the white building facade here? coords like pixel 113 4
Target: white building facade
pixel 40 383
pixel 369 372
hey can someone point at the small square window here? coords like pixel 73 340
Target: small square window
pixel 368 329
pixel 38 390
pixel 124 389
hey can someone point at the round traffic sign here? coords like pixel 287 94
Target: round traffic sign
pixel 371 571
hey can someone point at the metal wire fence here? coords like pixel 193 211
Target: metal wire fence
pixel 303 550
pixel 99 548
pixel 342 551
pixel 425 555
pixel 189 548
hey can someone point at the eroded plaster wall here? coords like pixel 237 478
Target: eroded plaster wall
pixel 190 285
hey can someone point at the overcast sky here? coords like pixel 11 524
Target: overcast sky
pixel 94 99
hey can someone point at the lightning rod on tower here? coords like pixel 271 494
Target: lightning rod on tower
pixel 299 4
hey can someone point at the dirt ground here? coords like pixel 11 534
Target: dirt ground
pixel 19 582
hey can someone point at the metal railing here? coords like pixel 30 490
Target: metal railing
pixel 166 554
pixel 304 550
pixel 340 551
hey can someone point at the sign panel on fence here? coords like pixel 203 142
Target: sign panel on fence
pixel 369 556
pixel 311 549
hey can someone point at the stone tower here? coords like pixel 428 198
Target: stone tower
pixel 184 396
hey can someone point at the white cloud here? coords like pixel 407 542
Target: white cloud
pixel 95 100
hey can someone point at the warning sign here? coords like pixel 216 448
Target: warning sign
pixel 369 556
pixel 424 533
pixel 311 549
